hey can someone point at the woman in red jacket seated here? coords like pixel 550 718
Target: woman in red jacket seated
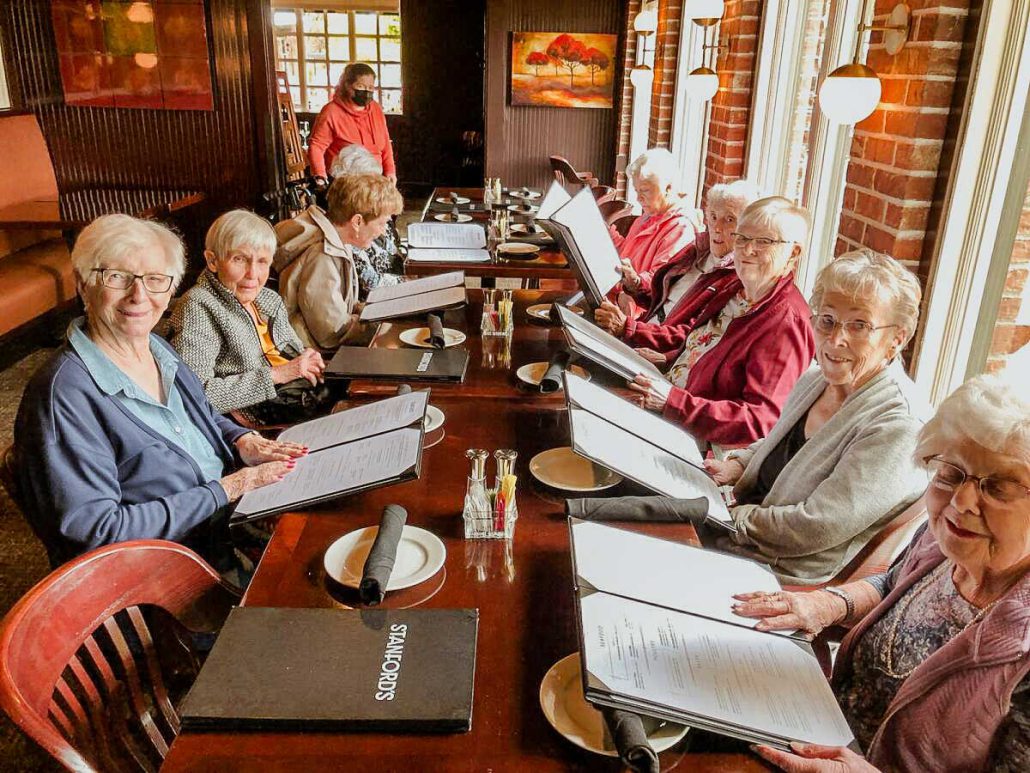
pixel 737 342
pixel 352 117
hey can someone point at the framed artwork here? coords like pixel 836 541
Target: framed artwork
pixel 118 53
pixel 559 69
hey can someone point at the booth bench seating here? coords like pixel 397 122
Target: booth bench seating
pixel 35 266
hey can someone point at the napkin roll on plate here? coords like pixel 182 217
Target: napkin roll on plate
pixel 436 336
pixel 376 573
pixel 551 380
pixel 654 508
pixel 630 739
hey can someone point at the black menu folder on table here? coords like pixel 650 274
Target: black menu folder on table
pixel 361 448
pixel 352 362
pixel 658 637
pixel 417 296
pixel 641 446
pixel 409 670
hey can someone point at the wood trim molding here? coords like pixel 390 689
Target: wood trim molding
pixel 340 5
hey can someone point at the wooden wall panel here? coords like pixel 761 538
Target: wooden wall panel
pixel 214 152
pixel 519 139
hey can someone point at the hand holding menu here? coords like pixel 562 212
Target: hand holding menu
pixel 352 450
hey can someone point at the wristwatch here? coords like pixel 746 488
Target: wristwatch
pixel 849 602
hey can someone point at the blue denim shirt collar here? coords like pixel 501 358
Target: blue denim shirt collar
pixel 109 377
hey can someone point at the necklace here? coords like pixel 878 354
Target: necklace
pixel 887 648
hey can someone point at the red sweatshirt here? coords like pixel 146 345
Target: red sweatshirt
pixel 338 125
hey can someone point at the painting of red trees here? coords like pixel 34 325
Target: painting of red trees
pixel 561 69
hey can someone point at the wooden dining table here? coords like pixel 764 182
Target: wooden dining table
pixel 76 209
pixel 522 588
pixel 549 263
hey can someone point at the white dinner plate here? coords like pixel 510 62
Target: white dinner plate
pixel 518 193
pixel 448 200
pixel 562 701
pixel 542 311
pixel 419 336
pixel 447 217
pixel 420 555
pixel 523 228
pixel 434 419
pixel 534 371
pixel 518 248
pixel 519 209
pixel 563 468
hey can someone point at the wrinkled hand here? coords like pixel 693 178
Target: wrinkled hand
pixel 653 399
pixel 630 278
pixel 655 358
pixel 321 183
pixel 812 758
pixel 249 478
pixel 627 304
pixel 308 365
pixel 255 449
pixel 811 611
pixel 610 317
pixel 724 472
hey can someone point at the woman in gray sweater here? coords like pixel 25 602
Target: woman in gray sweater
pixel 235 334
pixel 837 466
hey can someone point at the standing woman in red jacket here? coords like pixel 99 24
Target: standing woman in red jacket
pixel 739 341
pixel 352 118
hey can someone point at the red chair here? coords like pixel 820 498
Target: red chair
pixel 603 193
pixel 565 173
pixel 94 656
pixel 623 222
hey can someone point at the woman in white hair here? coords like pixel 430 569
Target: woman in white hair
pixel 115 439
pixel 235 333
pixel 381 264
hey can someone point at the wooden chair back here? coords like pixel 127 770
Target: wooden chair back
pixel 565 173
pixel 603 193
pixel 82 668
pixel 614 209
pixel 623 221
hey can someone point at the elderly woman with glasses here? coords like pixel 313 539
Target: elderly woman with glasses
pixel 739 340
pixel 933 674
pixel 115 439
pixel 837 466
pixel 235 334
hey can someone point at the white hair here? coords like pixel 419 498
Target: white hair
pixel 111 238
pixel 355 159
pixel 237 229
pixel 656 165
pixel 863 275
pixel 986 410
pixel 789 221
pixel 738 194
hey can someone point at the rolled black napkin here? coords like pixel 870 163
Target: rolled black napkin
pixel 376 573
pixel 436 336
pixel 627 731
pixel 551 380
pixel 654 508
pixel 403 389
pixel 455 213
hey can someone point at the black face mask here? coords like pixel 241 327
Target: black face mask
pixel 361 97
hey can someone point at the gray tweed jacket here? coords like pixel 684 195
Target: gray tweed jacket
pixel 216 337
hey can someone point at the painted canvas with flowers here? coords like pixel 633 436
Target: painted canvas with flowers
pixel 560 69
pixel 117 53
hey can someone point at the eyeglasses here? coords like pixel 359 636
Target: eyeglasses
pixel 123 280
pixel 740 240
pixel 998 491
pixel 856 329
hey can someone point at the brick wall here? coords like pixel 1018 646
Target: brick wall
pixel 896 152
pixel 1009 335
pixel 731 106
pixel 629 59
pixel 666 59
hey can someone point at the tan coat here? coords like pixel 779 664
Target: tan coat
pixel 317 280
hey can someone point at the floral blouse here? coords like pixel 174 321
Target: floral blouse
pixel 705 337
pixel 380 265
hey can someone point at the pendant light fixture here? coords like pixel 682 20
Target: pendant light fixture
pixel 645 24
pixel 702 83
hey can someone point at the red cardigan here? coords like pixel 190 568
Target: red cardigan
pixel 338 125
pixel 734 393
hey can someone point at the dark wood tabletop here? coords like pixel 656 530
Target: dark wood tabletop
pixel 493 362
pixel 548 264
pixel 522 589
pixel 77 209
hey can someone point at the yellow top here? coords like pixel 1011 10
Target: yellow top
pixel 268 346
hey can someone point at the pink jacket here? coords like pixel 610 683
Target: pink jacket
pixel 946 713
pixel 338 125
pixel 653 240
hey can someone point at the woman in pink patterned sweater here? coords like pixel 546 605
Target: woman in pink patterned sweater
pixel 933 674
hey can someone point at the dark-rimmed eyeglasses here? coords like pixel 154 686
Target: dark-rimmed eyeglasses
pixel 856 329
pixel 123 280
pixel 998 491
pixel 740 240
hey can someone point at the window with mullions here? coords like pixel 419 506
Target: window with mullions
pixel 313 47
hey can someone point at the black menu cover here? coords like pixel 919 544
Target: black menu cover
pixel 408 670
pixel 400 364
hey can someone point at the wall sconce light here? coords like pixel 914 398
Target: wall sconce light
pixel 704 9
pixel 645 24
pixel 851 92
pixel 702 83
pixel 641 77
